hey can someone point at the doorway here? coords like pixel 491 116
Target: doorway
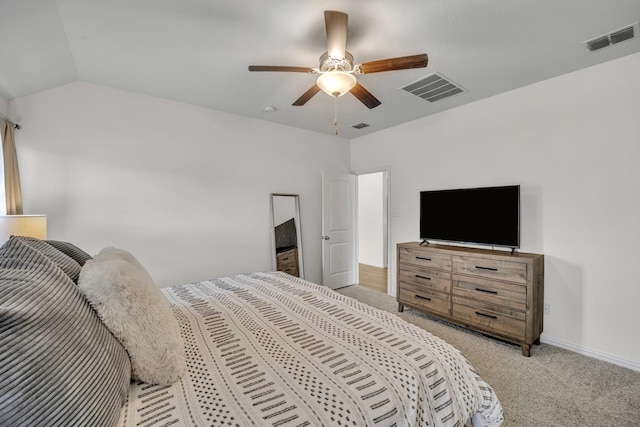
pixel 373 235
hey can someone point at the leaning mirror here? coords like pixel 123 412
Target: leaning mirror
pixel 285 234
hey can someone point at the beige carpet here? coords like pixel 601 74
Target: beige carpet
pixel 553 387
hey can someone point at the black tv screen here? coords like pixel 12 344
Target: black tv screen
pixel 487 215
pixel 286 236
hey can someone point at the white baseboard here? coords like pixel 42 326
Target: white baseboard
pixel 635 366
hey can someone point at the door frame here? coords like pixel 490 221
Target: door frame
pixel 387 187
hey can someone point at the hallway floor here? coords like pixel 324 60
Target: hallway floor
pixel 373 277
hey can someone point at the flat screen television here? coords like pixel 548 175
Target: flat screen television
pixel 485 216
pixel 286 236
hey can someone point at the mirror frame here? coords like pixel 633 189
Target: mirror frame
pixel 298 232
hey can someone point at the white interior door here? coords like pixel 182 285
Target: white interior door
pixel 338 229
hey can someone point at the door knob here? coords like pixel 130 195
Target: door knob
pixel 325 237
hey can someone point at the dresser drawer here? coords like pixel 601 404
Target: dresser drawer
pixel 291 263
pixel 291 270
pixel 288 262
pixel 425 277
pixel 489 318
pixel 428 300
pixel 506 294
pixel 511 271
pixel 424 258
pixel 287 259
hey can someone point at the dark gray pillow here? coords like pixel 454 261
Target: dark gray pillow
pixel 59 364
pixel 71 250
pixel 62 260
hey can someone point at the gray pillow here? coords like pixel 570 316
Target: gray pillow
pixel 59 364
pixel 62 260
pixel 71 250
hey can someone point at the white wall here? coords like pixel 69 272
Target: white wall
pixel 4 106
pixel 186 189
pixel 573 144
pixel 371 207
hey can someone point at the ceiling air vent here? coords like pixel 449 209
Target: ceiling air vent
pixel 598 43
pixel 433 87
pixel 614 37
pixel 360 125
pixel 622 35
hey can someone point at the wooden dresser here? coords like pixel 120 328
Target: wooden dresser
pixel 287 261
pixel 495 292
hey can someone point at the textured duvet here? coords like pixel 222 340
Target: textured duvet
pixel 269 349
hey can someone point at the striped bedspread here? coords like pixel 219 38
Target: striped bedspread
pixel 269 349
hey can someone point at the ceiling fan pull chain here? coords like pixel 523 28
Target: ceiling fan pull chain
pixel 335 113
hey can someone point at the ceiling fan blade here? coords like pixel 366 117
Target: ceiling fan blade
pixel 336 25
pixel 391 64
pixel 365 96
pixel 280 68
pixel 307 96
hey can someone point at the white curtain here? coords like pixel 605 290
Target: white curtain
pixel 13 194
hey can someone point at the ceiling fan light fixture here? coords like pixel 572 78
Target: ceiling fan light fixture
pixel 336 83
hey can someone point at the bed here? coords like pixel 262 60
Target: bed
pixel 260 349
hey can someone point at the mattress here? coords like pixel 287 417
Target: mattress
pixel 269 349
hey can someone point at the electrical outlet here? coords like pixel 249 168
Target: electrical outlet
pixel 547 309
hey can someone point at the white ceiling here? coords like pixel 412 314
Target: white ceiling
pixel 197 51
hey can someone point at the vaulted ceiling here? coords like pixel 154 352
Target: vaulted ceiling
pixel 198 51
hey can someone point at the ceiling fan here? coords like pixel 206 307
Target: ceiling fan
pixel 337 70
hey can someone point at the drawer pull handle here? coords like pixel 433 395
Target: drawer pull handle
pixel 423 277
pixel 479 267
pixel 284 259
pixel 424 259
pixel 486 291
pixel 424 298
pixel 487 315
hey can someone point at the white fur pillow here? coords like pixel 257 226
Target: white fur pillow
pixel 137 313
